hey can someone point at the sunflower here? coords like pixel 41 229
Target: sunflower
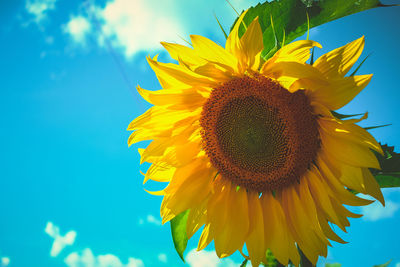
pixel 252 149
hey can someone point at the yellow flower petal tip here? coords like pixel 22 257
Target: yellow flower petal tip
pixel 252 150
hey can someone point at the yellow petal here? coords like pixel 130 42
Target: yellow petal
pixel 321 198
pixel 341 91
pixel 233 234
pixel 338 62
pixel 348 152
pixel 212 52
pixel 343 212
pixel 205 238
pixel 171 75
pixel 338 189
pixel 233 44
pixel 371 186
pixel 193 190
pixel 298 51
pixel 154 130
pixel 350 132
pixel 156 193
pixel 352 177
pixel 307 239
pixel 276 232
pixel 197 218
pixel 252 44
pixel 218 204
pixel 161 117
pixel 214 72
pixel 159 173
pixel 176 150
pixel 323 222
pixel 188 172
pixel 188 98
pixel 310 209
pixel 186 54
pixel 255 241
pixel 292 71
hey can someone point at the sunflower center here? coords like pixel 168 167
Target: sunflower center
pixel 258 134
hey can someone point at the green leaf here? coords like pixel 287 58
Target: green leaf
pixel 378 126
pixel 388 180
pixel 333 265
pixel 220 26
pixel 344 116
pixel 290 17
pixel 389 175
pixel 271 260
pixel 359 66
pixel 383 265
pixel 178 232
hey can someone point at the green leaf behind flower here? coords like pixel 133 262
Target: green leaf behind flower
pixel 389 175
pixel 178 232
pixel 333 265
pixel 290 18
pixel 383 265
pixel 271 260
pixel 344 116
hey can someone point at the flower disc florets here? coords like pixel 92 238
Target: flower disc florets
pixel 258 134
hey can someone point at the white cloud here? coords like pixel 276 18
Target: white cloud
pixel 208 259
pixel 153 220
pixel 78 27
pixel 162 257
pixel 87 259
pixel 5 261
pixel 397 264
pixel 39 8
pixel 60 242
pixel 140 25
pixel 84 258
pixel 376 211
pixel 150 219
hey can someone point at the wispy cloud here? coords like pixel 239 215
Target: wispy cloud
pixel 87 259
pixel 162 257
pixel 84 258
pixel 140 25
pixel 78 27
pixel 208 259
pixel 5 261
pixel 60 242
pixel 150 219
pixel 376 211
pixel 39 8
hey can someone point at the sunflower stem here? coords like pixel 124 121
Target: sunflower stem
pixel 304 262
pixel 308 25
pixel 244 263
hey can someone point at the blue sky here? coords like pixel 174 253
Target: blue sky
pixel 66 100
